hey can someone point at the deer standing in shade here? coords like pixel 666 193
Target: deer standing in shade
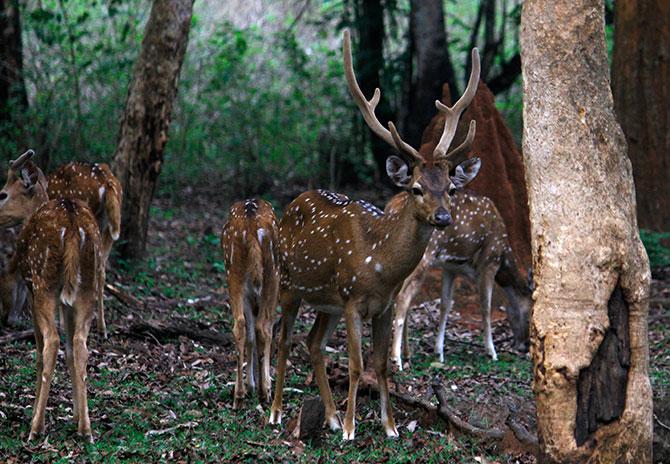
pixel 477 246
pixel 347 258
pixel 58 257
pixel 248 240
pixel 96 185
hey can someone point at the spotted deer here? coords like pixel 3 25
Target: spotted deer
pixel 57 257
pixel 476 246
pixel 347 258
pixel 96 185
pixel 248 241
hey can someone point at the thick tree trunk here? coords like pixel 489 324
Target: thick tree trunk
pixel 431 66
pixel 12 88
pixel 369 67
pixel 589 326
pixel 146 120
pixel 641 85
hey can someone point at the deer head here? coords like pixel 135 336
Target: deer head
pixel 24 191
pixel 431 176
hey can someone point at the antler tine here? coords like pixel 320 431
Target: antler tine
pixel 464 147
pixel 454 113
pixel 18 162
pixel 367 108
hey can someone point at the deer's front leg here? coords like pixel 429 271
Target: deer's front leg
pixel 402 305
pixel 354 332
pixel 445 308
pixel 485 284
pixel 381 332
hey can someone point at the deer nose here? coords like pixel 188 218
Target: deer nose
pixel 442 217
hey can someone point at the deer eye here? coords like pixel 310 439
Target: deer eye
pixel 417 191
pixel 452 190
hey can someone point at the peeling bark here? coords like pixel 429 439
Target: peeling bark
pixel 589 325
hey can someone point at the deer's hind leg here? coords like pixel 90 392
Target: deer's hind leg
pixel 83 314
pixel 485 281
pixel 47 341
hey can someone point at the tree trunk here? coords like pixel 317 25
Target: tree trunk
pixel 430 67
pixel 13 97
pixel 369 66
pixel 589 326
pixel 641 85
pixel 146 120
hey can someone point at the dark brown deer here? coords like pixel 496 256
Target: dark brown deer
pixel 248 240
pixel 57 258
pixel 476 246
pixel 96 185
pixel 347 258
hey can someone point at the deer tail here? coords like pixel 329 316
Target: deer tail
pixel 113 211
pixel 72 244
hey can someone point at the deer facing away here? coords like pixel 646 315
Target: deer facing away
pixel 346 258
pixel 96 185
pixel 57 257
pixel 248 240
pixel 477 246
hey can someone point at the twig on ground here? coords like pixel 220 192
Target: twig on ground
pixel 17 336
pixel 161 332
pixel 124 297
pixel 189 425
pixel 666 427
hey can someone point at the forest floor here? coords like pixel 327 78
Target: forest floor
pixel 157 398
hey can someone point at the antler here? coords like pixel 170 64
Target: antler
pixel 367 107
pixel 454 113
pixel 18 162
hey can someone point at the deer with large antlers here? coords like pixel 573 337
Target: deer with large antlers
pixel 57 257
pixel 476 246
pixel 348 258
pixel 248 240
pixel 96 185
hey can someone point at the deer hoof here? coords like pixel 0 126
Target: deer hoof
pixel 347 436
pixel 334 422
pixel 275 417
pixel 391 432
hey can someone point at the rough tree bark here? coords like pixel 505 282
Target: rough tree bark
pixel 589 326
pixel 430 66
pixel 12 88
pixel 146 120
pixel 641 85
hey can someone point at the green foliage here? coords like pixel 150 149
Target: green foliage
pixel 659 254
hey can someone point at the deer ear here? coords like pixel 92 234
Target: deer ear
pixel 398 171
pixel 465 172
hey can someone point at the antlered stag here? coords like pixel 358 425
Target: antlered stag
pixel 96 185
pixel 57 257
pixel 248 240
pixel 347 257
pixel 477 246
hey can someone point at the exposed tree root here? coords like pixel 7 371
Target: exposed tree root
pixel 171 332
pixel 17 336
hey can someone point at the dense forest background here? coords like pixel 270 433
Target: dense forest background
pixel 262 99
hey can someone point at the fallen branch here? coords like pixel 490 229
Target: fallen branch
pixel 17 336
pixel 520 432
pixel 124 297
pixel 666 427
pixel 167 332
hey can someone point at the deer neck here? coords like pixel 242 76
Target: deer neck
pixel 399 240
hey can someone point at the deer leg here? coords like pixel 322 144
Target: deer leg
pixel 266 318
pixel 39 367
pixel 316 341
pixel 445 308
pixel 250 344
pixel 45 323
pixel 67 318
pixel 381 332
pixel 83 315
pixel 485 284
pixel 290 306
pixel 354 333
pixel 105 251
pixel 239 332
pixel 402 304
